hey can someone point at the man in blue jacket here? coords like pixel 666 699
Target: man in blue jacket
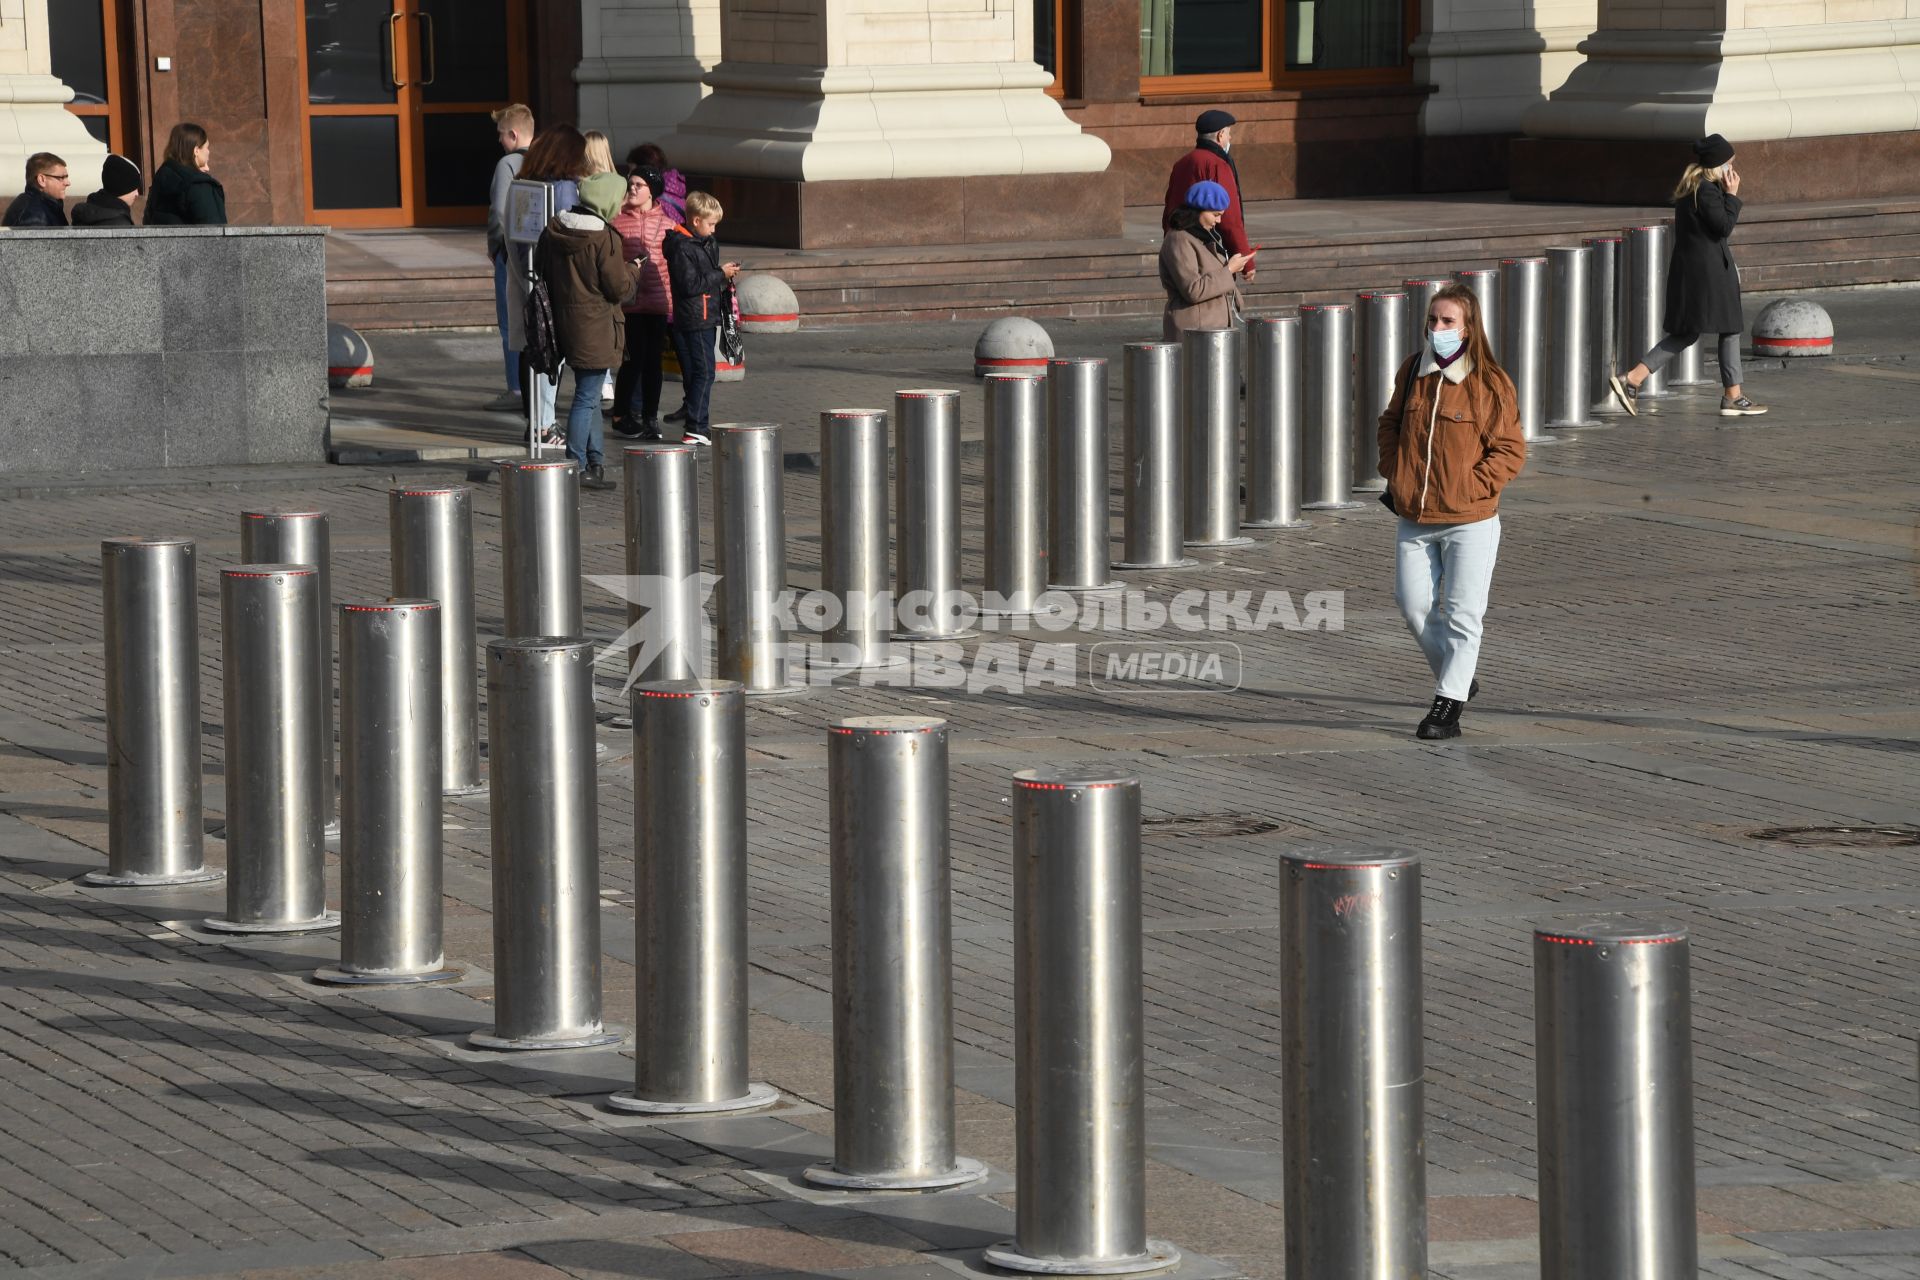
pixel 43 203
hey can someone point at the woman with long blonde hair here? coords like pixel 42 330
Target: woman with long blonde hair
pixel 1450 440
pixel 1703 285
pixel 599 153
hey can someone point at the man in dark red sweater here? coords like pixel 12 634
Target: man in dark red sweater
pixel 1209 161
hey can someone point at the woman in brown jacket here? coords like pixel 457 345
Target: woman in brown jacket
pixel 588 276
pixel 1195 268
pixel 1450 441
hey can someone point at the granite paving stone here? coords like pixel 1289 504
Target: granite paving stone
pixel 1704 635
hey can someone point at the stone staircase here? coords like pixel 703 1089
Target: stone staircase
pixel 1313 250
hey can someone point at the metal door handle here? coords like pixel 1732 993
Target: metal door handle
pixel 429 56
pixel 393 50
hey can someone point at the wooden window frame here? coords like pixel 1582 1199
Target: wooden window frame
pixel 1273 74
pixel 1065 54
pixel 114 109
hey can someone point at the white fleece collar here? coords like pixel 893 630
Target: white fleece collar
pixel 1456 373
pixel 575 220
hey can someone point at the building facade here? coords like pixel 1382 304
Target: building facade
pixel 843 122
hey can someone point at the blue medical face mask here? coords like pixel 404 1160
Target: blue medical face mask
pixel 1445 342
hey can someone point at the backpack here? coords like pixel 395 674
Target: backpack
pixel 543 339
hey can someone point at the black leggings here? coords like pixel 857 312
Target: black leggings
pixel 636 391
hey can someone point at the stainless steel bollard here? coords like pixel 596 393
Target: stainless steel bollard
pixel 926 477
pixel 301 537
pixel 1016 449
pixel 430 540
pixel 1485 283
pixel 390 920
pixel 1689 367
pixel 1077 517
pixel 276 842
pixel 1606 317
pixel 1210 378
pixel 853 540
pixel 1327 455
pixel 892 959
pixel 1352 1065
pixel 1646 302
pixel 1613 1055
pixel 1080 1101
pixel 1420 293
pixel 1383 349
pixel 1570 337
pixel 546 847
pixel 1275 479
pixel 666 623
pixel 1153 523
pixel 750 554
pixel 1523 339
pixel 690 901
pixel 155 812
pixel 540 547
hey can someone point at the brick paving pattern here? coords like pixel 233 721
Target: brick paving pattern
pixel 1698 631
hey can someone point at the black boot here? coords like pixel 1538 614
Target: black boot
pixel 1473 691
pixel 1443 721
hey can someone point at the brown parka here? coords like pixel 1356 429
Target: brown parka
pixel 1449 441
pixel 589 279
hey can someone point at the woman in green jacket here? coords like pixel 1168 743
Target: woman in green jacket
pixel 183 193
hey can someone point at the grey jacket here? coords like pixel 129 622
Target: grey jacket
pixel 503 175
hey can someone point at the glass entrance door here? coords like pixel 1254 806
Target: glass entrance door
pixel 399 98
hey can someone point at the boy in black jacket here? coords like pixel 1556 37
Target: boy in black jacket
pixel 699 281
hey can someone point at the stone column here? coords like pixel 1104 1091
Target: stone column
pixel 863 122
pixel 1821 99
pixel 1488 61
pixel 33 114
pixel 645 66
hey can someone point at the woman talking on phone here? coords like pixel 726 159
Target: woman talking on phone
pixel 1703 286
pixel 1450 441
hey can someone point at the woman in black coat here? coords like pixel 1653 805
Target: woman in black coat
pixel 1703 286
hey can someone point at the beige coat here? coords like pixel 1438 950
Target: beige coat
pixel 1200 292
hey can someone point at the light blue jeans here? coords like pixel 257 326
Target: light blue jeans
pixel 1442 573
pixel 507 353
pixel 583 420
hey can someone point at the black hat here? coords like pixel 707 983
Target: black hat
pixel 119 176
pixel 1212 121
pixel 656 182
pixel 1712 151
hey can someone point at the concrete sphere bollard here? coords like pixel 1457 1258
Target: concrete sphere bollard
pixel 349 357
pixel 767 305
pixel 1012 343
pixel 1793 327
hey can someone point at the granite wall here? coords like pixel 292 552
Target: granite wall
pixel 162 347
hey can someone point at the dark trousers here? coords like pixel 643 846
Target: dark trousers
pixel 695 349
pixel 636 392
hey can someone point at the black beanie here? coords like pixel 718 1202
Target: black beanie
pixel 1712 151
pixel 119 176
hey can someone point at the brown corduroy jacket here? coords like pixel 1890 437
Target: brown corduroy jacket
pixel 1448 443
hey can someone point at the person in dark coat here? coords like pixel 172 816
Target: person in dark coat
pixel 588 276
pixel 43 203
pixel 112 205
pixel 184 194
pixel 1211 160
pixel 699 282
pixel 1703 285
